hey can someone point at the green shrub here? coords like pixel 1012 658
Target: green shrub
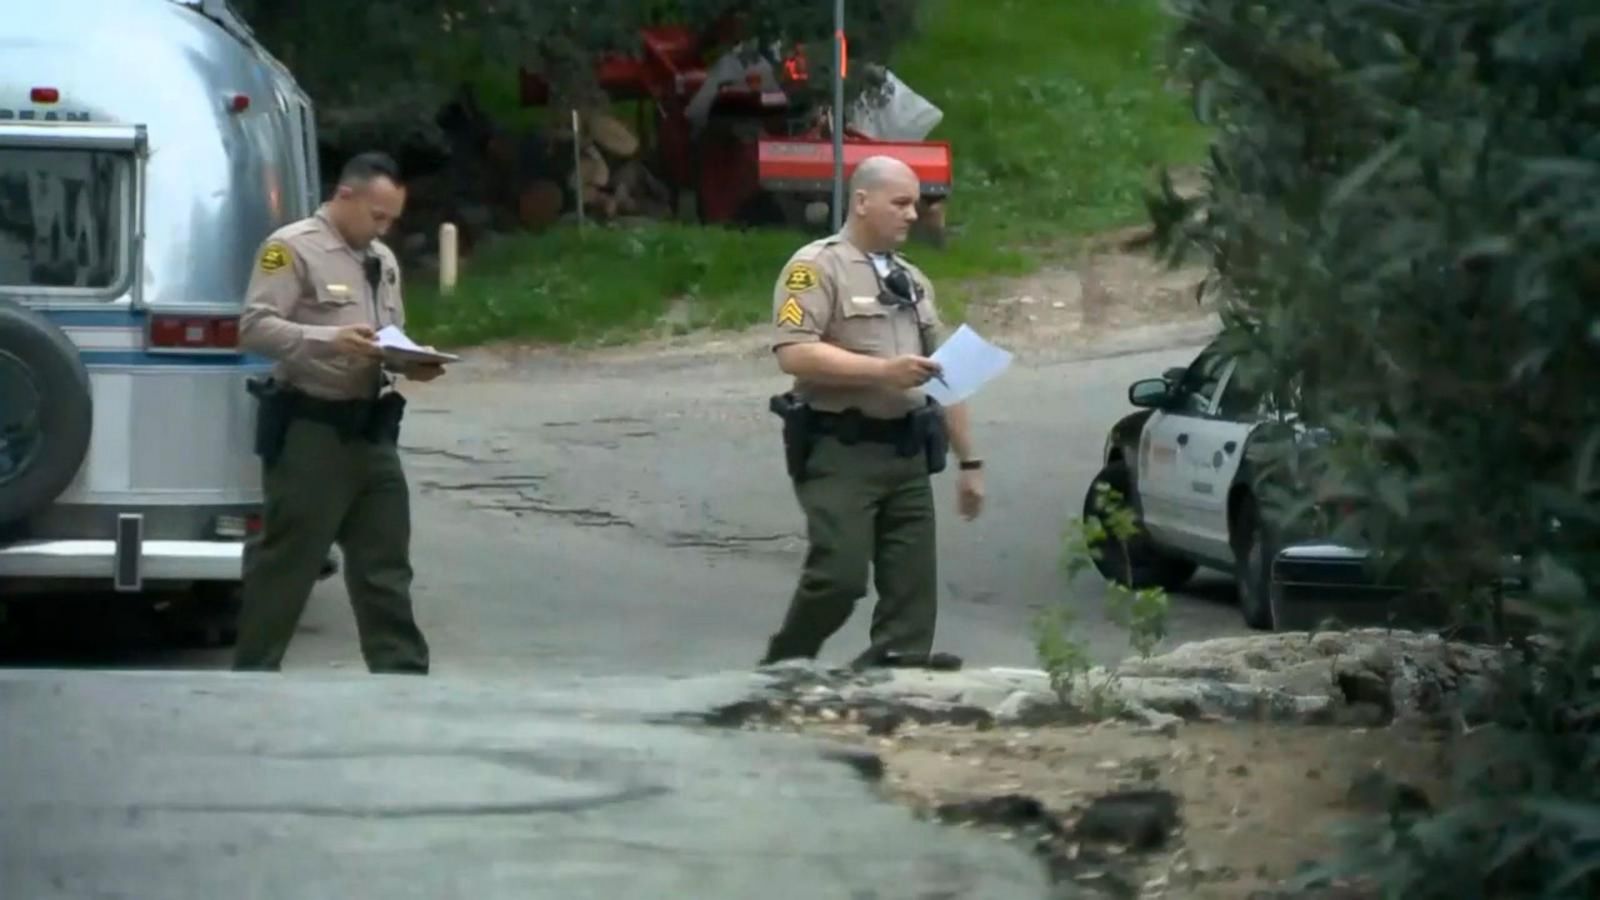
pixel 1404 214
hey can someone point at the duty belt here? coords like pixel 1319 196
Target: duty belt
pixel 277 404
pixel 329 412
pixel 919 431
pixel 852 426
pixel 374 420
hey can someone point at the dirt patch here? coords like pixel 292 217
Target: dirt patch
pixel 1255 801
pixel 1103 300
pixel 1101 293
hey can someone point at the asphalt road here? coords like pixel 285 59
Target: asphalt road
pixel 337 786
pixel 629 513
pixel 584 525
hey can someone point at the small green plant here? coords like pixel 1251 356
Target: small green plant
pixel 1141 611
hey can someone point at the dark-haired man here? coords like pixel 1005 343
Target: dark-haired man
pixel 319 292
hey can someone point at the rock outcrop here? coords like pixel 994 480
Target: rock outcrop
pixel 1367 677
pixel 1371 676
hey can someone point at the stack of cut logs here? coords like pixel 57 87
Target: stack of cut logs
pixel 504 178
pixel 609 177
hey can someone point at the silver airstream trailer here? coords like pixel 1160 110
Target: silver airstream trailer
pixel 146 148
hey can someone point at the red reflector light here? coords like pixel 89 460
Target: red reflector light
pixel 252 524
pixel 226 332
pixel 238 103
pixel 194 333
pixel 44 95
pixel 795 68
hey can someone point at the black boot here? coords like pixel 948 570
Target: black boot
pixel 892 659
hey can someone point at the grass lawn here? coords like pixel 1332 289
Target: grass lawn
pixel 1058 120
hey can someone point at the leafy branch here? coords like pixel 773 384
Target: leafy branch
pixel 1141 612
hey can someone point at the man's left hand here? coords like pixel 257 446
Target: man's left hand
pixel 969 493
pixel 423 371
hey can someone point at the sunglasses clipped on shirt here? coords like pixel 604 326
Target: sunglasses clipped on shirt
pixel 898 288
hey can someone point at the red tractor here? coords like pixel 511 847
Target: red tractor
pixel 747 150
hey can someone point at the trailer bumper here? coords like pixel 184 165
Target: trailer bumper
pixel 126 562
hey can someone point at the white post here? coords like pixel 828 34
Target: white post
pixel 577 168
pixel 447 259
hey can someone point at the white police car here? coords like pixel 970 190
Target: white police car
pixel 1186 464
pixel 1180 463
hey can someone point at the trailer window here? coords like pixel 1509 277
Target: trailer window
pixel 63 218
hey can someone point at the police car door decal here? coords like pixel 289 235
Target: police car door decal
pixel 1213 455
pixel 1159 473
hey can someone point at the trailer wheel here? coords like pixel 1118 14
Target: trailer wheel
pixel 46 412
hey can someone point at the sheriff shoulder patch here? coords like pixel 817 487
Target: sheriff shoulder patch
pixel 790 313
pixel 274 257
pixel 801 277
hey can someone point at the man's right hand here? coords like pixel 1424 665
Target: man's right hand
pixel 909 371
pixel 358 340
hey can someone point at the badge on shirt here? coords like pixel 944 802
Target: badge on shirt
pixel 801 277
pixel 274 257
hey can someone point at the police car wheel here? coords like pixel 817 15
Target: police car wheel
pixel 46 412
pixel 1253 552
pixel 1140 563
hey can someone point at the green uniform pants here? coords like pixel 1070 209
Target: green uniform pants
pixel 322 490
pixel 864 506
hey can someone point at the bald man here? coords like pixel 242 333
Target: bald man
pixel 854 324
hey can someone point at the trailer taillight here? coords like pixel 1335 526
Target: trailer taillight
pixel 45 95
pixel 237 527
pixel 194 332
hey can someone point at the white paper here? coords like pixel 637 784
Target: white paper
pixel 392 336
pixel 969 362
pixel 396 343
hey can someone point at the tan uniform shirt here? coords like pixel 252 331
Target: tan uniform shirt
pixel 828 291
pixel 308 283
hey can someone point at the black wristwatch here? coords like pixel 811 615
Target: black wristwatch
pixel 971 465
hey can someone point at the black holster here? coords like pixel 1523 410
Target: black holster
pixel 798 433
pixel 272 417
pixel 386 413
pixel 929 433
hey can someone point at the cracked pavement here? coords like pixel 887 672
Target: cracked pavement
pixel 324 786
pixel 584 524
pixel 628 511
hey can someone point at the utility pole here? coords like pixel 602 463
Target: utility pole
pixel 838 114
